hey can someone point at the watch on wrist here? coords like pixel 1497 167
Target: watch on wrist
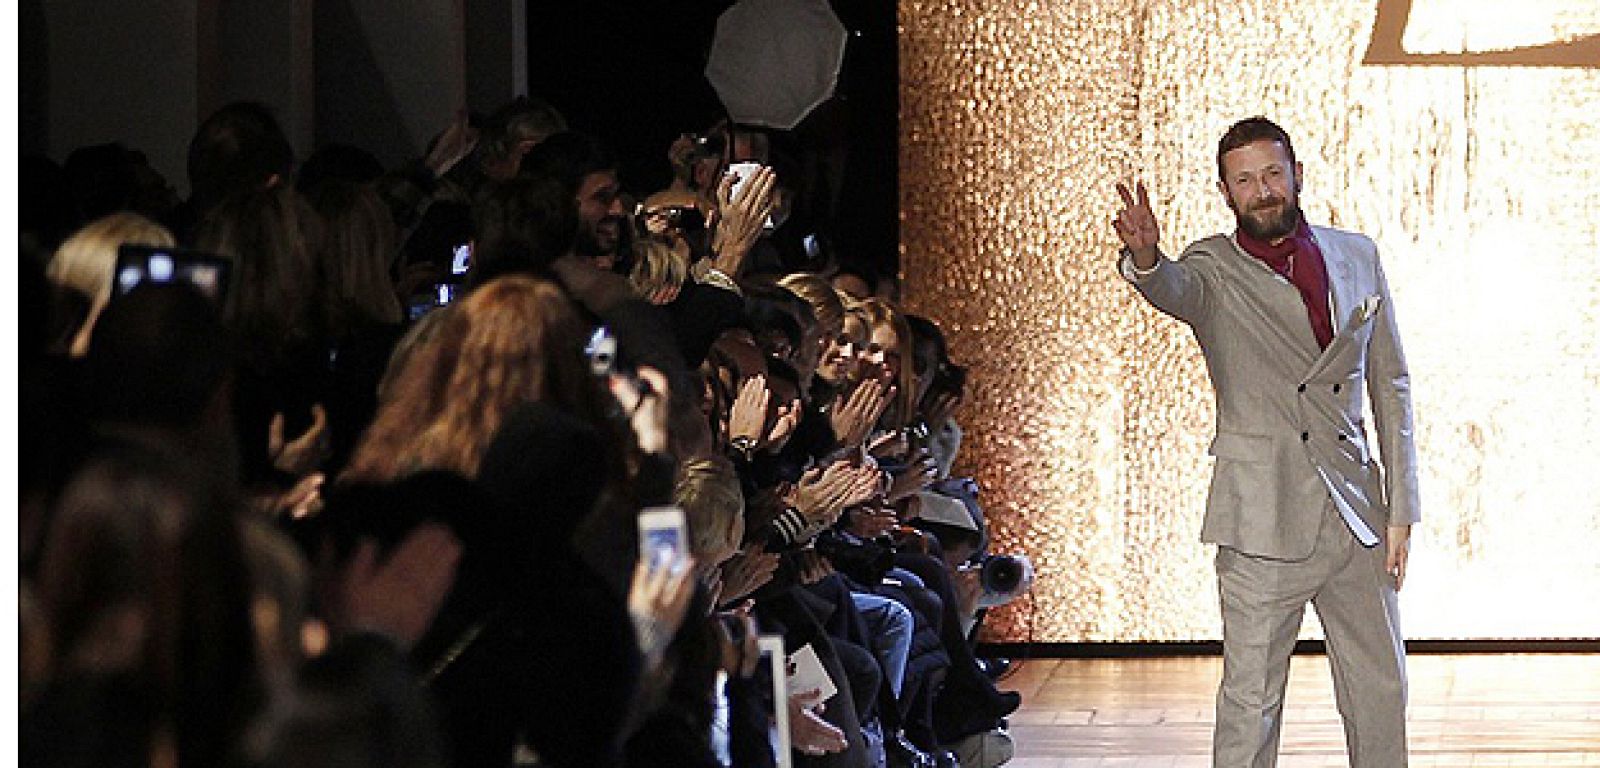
pixel 744 445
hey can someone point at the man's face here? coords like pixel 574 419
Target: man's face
pixel 1262 186
pixel 600 215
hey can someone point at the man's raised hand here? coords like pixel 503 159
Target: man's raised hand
pixel 1136 225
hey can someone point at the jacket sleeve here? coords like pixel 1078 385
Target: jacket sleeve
pixel 1176 287
pixel 1389 389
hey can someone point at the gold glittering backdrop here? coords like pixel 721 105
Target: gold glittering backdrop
pixel 1462 136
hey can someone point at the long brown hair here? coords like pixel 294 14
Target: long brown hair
pixel 515 339
pixel 358 248
pixel 144 577
pixel 271 235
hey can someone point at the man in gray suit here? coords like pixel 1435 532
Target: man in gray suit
pixel 1294 322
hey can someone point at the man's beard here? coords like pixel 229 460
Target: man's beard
pixel 590 242
pixel 1266 226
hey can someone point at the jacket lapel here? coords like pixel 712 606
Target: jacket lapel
pixel 1351 310
pixel 1341 286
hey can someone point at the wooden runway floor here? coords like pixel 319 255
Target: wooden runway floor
pixel 1467 710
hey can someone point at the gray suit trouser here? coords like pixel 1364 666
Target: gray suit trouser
pixel 1263 602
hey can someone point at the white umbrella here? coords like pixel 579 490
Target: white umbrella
pixel 773 61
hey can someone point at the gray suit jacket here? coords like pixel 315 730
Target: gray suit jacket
pixel 1290 433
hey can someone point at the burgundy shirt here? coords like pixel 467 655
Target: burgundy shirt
pixel 1299 260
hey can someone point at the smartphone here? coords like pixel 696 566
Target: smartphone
pixel 745 172
pixel 774 661
pixel 601 351
pixel 441 294
pixel 461 259
pixel 208 272
pixel 663 541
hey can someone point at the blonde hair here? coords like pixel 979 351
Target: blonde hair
pixel 713 505
pixel 824 300
pixel 87 260
pixel 657 265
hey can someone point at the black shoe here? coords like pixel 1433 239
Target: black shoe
pixel 1008 702
pixel 994 669
pixel 946 760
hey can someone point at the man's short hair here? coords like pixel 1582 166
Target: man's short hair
pixel 568 157
pixel 1248 131
pixel 239 147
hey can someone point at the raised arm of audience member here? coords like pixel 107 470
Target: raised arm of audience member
pixel 739 222
pixel 645 399
pixel 657 602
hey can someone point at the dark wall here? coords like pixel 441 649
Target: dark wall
pixel 633 74
pixel 630 73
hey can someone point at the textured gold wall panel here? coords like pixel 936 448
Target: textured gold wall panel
pixel 1089 413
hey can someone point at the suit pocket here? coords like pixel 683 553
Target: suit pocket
pixel 1241 447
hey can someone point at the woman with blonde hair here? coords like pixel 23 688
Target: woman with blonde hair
pixel 660 269
pixel 888 352
pixel 824 301
pixel 87 260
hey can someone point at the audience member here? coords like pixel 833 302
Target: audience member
pixel 471 588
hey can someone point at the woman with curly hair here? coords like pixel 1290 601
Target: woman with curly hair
pixel 516 339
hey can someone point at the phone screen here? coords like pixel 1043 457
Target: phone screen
pixel 774 661
pixel 207 272
pixel 663 542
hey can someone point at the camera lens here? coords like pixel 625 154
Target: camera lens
pixel 1001 573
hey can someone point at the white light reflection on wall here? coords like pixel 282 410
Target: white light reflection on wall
pixel 1090 413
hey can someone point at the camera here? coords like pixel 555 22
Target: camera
pixel 1004 578
pixel 948 378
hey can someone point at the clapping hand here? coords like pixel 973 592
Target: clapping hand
pixel 400 594
pixel 747 572
pixel 455 143
pixel 916 476
pixel 304 453
pixel 853 417
pixel 748 416
pixel 869 522
pixel 809 733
